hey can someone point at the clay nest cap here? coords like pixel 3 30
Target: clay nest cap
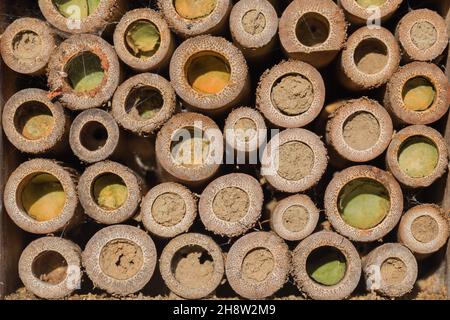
pixel 209 46
pixel 390 270
pixel 424 229
pixel 360 130
pixel 165 44
pixel 303 85
pixel 142 260
pixel 179 248
pixel 26 45
pixel 68 250
pixel 436 166
pixel 308 155
pixel 84 129
pixel 18 114
pixel 63 67
pixel 231 204
pixel 168 209
pixel 141 94
pixel 431 32
pixel 105 213
pixel 311 287
pixel 399 82
pixel 295 217
pixel 347 188
pixel 258 265
pixel 320 44
pixel 360 15
pixel 358 70
pixel 18 180
pixel 211 23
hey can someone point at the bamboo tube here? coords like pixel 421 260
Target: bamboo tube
pixel 50 267
pixel 26 46
pixel 326 266
pixel 390 270
pixel 120 259
pixel 361 12
pixel 363 203
pixel 257 265
pixel 192 265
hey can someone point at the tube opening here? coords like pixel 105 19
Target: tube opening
pixel 109 191
pixel 189 147
pixel 418 94
pixel 168 209
pixel 326 265
pixel 144 103
pixel 192 266
pixel 292 94
pixel 361 130
pixel 27 45
pixel 423 35
pixel 296 160
pixel 34 120
pixel 194 9
pixel 257 264
pixel 142 39
pixel 231 204
pixel 76 9
pixel 93 135
pixel 418 156
pixel 85 72
pixel 295 218
pixel 312 29
pixel 424 228
pixel 121 259
pixel 50 267
pixel 371 56
pixel 393 271
pixel 254 22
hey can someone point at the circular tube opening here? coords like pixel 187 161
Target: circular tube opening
pixel 424 229
pixel 326 265
pixel 312 29
pixel 85 72
pixel 192 266
pixel 76 9
pixel 418 94
pixel 93 135
pixel 34 120
pixel 295 218
pixel 245 130
pixel 371 56
pixel 109 191
pixel 292 94
pixel 189 147
pixel 253 22
pixel 121 259
pixel 370 3
pixel 361 130
pixel 393 271
pixel 194 9
pixel 423 35
pixel 231 204
pixel 144 103
pixel 418 156
pixel 142 39
pixel 296 160
pixel 50 267
pixel 168 209
pixel 257 264
pixel 27 45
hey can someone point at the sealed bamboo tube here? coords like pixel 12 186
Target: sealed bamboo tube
pixel 143 103
pixel 290 94
pixel 84 72
pixel 210 74
pixel 295 217
pixel 34 124
pixel 82 16
pixel 424 229
pixel 294 160
pixel 326 266
pixel 192 265
pixel 40 197
pixel 190 149
pixel 359 131
pixel 143 40
pixel 422 35
pixel 26 46
pixel 390 270
pixel 120 259
pixel 50 267
pixel 94 136
pixel 188 18
pixel 254 27
pixel 258 265
pixel 370 58
pixel 363 203
pixel 417 156
pixel 168 209
pixel 231 204
pixel 313 31
pixel 110 192
pixel 417 94
pixel 361 12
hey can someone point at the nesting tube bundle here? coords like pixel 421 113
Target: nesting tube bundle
pixel 360 12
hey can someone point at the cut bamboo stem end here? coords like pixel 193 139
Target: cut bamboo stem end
pixel 424 229
pixel 34 124
pixel 168 210
pixel 390 270
pixel 254 27
pixel 417 94
pixel 143 103
pixel 190 149
pixel 258 265
pixel 210 74
pixel 362 12
pixel 84 72
pixel 40 197
pixel 50 267
pixel 290 94
pixel 188 20
pixel 109 192
pixel 369 60
pixel 120 259
pixel 417 156
pixel 326 266
pixel 231 204
pixel 295 217
pixel 192 265
pixel 26 46
pixel 363 203
pixel 143 40
pixel 294 160
pixel 94 136
pixel 359 131
pixel 313 31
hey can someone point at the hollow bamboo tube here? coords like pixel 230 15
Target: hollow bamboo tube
pixel 361 12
